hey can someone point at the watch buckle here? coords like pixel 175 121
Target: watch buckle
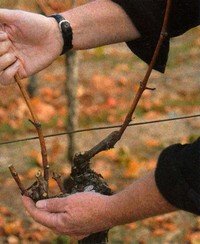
pixel 61 22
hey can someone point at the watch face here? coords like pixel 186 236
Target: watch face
pixel 65 25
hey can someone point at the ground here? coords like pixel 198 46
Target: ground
pixel 109 77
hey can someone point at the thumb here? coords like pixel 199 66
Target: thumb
pixel 54 205
pixel 7 16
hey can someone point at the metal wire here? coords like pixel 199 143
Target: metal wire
pixel 101 128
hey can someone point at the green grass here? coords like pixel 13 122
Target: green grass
pixel 50 124
pixel 180 51
pixel 183 103
pixel 31 162
pixel 61 240
pixel 111 60
pixel 7 129
pixel 86 120
pixel 192 138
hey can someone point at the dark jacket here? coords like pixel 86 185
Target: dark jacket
pixel 147 16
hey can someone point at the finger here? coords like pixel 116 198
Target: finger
pixel 7 60
pixel 7 76
pixel 45 218
pixel 54 205
pixel 3 36
pixel 4 47
pixel 7 16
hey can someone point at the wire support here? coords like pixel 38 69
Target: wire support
pixel 102 128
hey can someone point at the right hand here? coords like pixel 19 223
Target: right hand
pixel 28 43
pixel 77 215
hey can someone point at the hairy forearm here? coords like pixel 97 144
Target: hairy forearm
pixel 139 201
pixel 98 23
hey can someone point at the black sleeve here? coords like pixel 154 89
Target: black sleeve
pixel 178 176
pixel 147 16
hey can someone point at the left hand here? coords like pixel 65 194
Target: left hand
pixel 78 215
pixel 29 42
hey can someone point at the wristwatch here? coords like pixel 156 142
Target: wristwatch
pixel 66 31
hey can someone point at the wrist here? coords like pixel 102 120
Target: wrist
pixel 66 31
pixel 56 37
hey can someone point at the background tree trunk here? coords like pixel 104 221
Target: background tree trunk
pixel 71 87
pixel 72 63
pixel 32 86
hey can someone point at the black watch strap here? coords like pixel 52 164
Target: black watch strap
pixel 66 30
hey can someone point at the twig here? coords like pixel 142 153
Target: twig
pixel 38 129
pixel 109 142
pixel 18 181
pixel 57 178
pixel 143 84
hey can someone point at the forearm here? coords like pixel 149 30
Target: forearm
pixel 98 23
pixel 139 201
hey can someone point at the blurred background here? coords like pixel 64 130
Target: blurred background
pixel 95 88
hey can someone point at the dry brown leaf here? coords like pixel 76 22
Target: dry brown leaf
pixel 112 102
pixel 36 156
pixel 152 142
pixel 56 148
pixel 31 173
pixel 13 240
pixel 5 211
pixel 132 226
pixel 158 232
pixel 52 6
pixel 44 111
pixel 103 168
pixel 133 169
pixel 169 226
pixel 13 228
pixel 3 115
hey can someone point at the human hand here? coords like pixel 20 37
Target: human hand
pixel 28 43
pixel 78 215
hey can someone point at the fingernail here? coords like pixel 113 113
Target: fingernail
pixel 2 33
pixel 41 204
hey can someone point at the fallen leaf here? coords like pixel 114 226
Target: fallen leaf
pixel 44 111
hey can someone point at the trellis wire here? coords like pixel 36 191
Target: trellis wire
pixel 102 128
